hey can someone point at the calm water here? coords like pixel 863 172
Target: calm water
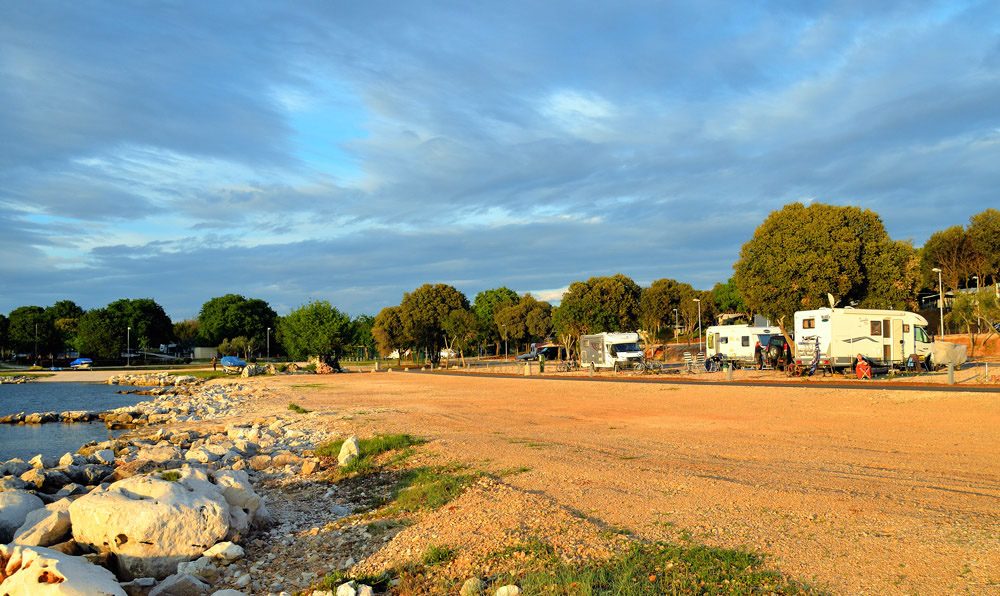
pixel 28 440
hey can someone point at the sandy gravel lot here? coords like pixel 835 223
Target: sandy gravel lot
pixel 862 492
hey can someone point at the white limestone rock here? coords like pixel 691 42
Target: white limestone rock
pixel 150 523
pixel 180 584
pixel 225 552
pixel 46 526
pixel 103 456
pixel 203 568
pixel 35 571
pixel 15 505
pixel 348 451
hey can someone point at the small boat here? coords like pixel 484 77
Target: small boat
pixel 81 363
pixel 232 365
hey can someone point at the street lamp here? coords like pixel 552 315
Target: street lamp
pixel 268 344
pixel 128 347
pixel 504 341
pixel 698 300
pixel 677 338
pixel 940 300
pixel 978 322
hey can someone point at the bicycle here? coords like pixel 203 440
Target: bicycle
pixel 647 365
pixel 567 366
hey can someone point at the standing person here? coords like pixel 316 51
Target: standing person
pixel 213 363
pixel 758 356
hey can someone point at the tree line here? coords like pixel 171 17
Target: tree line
pixel 796 258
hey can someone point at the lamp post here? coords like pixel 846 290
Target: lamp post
pixel 128 347
pixel 940 300
pixel 504 342
pixel 677 338
pixel 698 300
pixel 36 343
pixel 978 322
pixel 268 344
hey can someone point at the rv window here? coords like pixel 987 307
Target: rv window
pixel 876 328
pixel 920 334
pixel 723 340
pixel 906 328
pixel 808 323
pixel 746 341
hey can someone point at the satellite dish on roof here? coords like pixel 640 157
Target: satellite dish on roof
pixel 829 297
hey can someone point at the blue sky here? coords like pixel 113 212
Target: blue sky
pixel 352 151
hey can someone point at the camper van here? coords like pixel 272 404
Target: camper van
pixel 885 337
pixel 737 342
pixel 610 350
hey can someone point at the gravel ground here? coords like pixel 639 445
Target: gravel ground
pixel 862 492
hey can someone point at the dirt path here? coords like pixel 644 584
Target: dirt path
pixel 863 492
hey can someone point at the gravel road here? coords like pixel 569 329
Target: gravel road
pixel 861 492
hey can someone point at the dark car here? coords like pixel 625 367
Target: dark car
pixel 777 352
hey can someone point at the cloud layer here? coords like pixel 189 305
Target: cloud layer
pixel 350 153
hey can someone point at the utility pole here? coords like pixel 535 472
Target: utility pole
pixel 677 338
pixel 128 347
pixel 941 328
pixel 698 300
pixel 268 344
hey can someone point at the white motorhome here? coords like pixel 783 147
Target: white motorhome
pixel 884 336
pixel 737 342
pixel 610 350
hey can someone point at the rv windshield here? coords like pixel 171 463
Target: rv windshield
pixel 920 334
pixel 632 347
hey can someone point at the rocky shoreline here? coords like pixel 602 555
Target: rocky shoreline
pixel 156 513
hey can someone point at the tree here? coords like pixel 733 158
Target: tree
pixel 389 332
pixel 31 332
pixel 485 306
pixel 948 250
pixel 99 334
pixel 150 324
pixel 65 316
pixel 4 336
pixel 239 345
pixel 984 233
pixel 604 303
pixel 315 329
pixel 800 254
pixel 233 315
pixel 423 312
pixel 657 304
pixel 186 332
pixel 361 333
pixel 976 312
pixel 728 299
pixel 527 320
pixel 461 327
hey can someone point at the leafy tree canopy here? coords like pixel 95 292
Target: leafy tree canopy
pixel 28 324
pixel 526 321
pixel 315 329
pixel 423 312
pixel 150 324
pixel 949 250
pixel 388 331
pixel 984 233
pixel 100 334
pixel 799 254
pixel 486 304
pixel 361 333
pixel 658 302
pixel 233 315
pixel 728 299
pixel 601 304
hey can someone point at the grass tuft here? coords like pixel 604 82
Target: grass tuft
pixel 437 555
pixel 297 408
pixel 171 476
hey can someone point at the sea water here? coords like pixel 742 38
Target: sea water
pixel 28 440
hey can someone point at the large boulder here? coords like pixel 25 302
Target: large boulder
pixel 34 571
pixel 46 526
pixel 15 505
pixel 153 522
pixel 348 451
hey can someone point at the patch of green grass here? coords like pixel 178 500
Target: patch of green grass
pixel 369 450
pixel 171 476
pixel 659 568
pixel 512 471
pixel 436 555
pixel 429 488
pixel 310 386
pixel 297 408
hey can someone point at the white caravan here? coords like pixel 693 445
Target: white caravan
pixel 884 336
pixel 737 342
pixel 610 350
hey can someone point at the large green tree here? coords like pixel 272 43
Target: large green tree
pixel 232 316
pixel 100 334
pixel 315 329
pixel 423 312
pixel 728 299
pixel 140 322
pixel 389 332
pixel 461 329
pixel 800 254
pixel 4 336
pixel 526 321
pixel 658 303
pixel 949 250
pixel 486 304
pixel 65 315
pixel 361 334
pixel 984 233
pixel 30 327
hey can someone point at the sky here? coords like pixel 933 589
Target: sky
pixel 353 151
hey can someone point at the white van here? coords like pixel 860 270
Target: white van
pixel 610 350
pixel 737 342
pixel 886 337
